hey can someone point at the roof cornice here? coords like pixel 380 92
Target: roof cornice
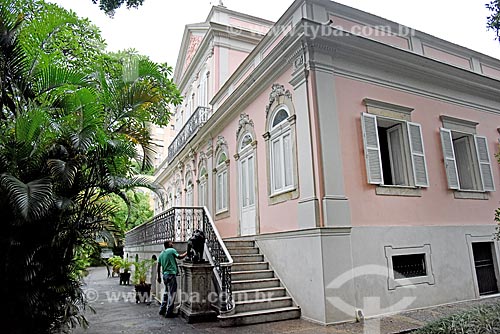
pixel 181 58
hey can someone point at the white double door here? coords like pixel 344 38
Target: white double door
pixel 247 194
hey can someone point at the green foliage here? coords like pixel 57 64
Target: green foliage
pixel 121 263
pixel 109 6
pixel 493 21
pixel 479 320
pixel 64 39
pixel 497 219
pixel 85 256
pixel 141 269
pixel 137 212
pixel 71 121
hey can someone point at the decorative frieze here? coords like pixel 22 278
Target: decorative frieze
pixel 298 62
pixel 277 91
pixel 221 142
pixel 244 124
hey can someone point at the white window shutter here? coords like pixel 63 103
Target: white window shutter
pixel 418 155
pixel 372 149
pixel 483 157
pixel 449 159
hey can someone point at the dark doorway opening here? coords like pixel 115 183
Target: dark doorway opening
pixel 485 267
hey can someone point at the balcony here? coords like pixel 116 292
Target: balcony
pixel 197 119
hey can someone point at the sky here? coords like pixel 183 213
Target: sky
pixel 156 28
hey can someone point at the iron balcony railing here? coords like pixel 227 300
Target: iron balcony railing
pixel 178 224
pixel 197 119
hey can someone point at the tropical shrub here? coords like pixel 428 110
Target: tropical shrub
pixel 121 263
pixel 479 320
pixel 141 269
pixel 68 139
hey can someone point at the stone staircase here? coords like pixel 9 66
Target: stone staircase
pixel 257 293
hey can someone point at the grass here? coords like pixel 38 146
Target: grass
pixel 478 320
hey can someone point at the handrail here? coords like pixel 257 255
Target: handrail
pixel 219 239
pixel 178 224
pixel 222 269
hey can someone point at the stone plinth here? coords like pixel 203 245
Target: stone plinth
pixel 196 283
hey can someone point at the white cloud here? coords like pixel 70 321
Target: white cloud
pixel 156 28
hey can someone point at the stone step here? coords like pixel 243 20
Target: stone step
pixel 262 304
pixel 243 250
pixel 251 275
pixel 255 284
pixel 248 258
pixel 239 243
pixel 265 293
pixel 242 266
pixel 255 317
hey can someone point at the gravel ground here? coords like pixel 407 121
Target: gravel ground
pixel 116 312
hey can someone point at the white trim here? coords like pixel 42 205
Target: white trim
pixel 394 283
pixel 279 138
pixel 222 171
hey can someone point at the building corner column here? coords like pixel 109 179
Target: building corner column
pixel 334 202
pixel 210 177
pixel 308 211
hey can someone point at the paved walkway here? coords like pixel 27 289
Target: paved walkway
pixel 117 313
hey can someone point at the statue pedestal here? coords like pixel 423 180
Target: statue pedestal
pixel 196 285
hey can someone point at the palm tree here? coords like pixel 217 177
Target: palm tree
pixel 67 141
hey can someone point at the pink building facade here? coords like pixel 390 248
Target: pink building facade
pixel 360 155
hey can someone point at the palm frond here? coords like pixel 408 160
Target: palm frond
pixel 62 171
pixel 32 200
pixel 52 77
pixel 14 88
pixel 30 126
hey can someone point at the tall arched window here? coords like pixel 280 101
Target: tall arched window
pixel 169 198
pixel 178 197
pixel 189 191
pixel 247 168
pixel 281 162
pixel 203 91
pixel 221 184
pixel 202 188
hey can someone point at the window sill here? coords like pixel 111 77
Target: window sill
pixel 221 214
pixel 406 191
pixel 401 282
pixel 470 194
pixel 281 192
pixel 283 196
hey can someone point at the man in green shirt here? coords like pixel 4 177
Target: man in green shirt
pixel 167 266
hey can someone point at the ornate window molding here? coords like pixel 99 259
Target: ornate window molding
pixel 202 180
pixel 188 182
pixel 278 95
pixel 245 124
pixel 281 151
pixel 221 172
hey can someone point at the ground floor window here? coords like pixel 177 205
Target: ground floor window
pixel 407 266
